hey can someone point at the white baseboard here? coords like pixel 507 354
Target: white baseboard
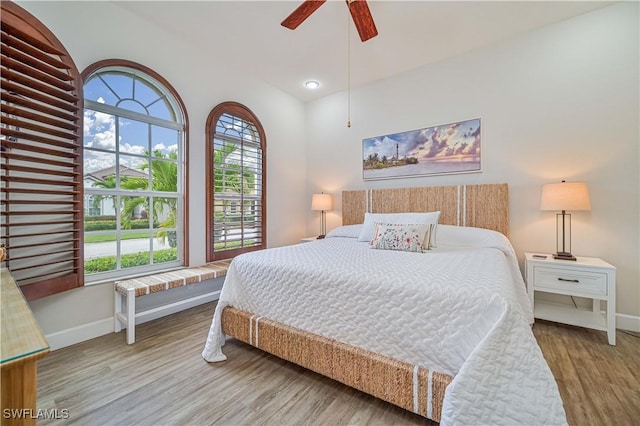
pixel 628 322
pixel 101 327
pixel 84 332
pixel 81 333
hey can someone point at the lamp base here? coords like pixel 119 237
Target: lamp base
pixel 564 256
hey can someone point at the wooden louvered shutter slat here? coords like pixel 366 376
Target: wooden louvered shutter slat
pixel 19 179
pixel 28 60
pixel 41 158
pixel 30 115
pixel 37 170
pixel 37 192
pixel 36 126
pixel 34 138
pixel 38 96
pixel 35 73
pixel 28 81
pixel 34 52
pixel 26 27
pixel 36 106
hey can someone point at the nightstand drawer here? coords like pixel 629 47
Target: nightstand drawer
pixel 570 281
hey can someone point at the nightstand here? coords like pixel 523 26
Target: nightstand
pixel 588 277
pixel 308 239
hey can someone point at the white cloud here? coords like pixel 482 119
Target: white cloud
pixel 132 149
pixel 101 129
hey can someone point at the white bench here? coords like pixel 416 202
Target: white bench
pixel 126 291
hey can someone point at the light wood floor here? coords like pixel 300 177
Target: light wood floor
pixel 162 379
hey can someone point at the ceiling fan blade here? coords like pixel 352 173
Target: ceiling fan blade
pixel 363 19
pixel 303 11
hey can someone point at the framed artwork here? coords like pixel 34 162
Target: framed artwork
pixel 443 149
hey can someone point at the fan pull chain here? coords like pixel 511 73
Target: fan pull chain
pixel 348 74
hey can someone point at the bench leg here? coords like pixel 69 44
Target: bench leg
pixel 118 310
pixel 131 316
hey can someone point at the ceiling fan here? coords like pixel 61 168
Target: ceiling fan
pixel 359 12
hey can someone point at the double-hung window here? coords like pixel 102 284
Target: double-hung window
pixel 133 173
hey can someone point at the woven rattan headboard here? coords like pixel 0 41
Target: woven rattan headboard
pixel 482 206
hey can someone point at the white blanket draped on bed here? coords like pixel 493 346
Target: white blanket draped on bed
pixel 459 310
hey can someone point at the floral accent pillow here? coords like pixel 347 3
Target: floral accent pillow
pixel 400 236
pixel 368 227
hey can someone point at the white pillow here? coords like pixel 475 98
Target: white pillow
pixel 404 237
pixel 468 236
pixel 346 231
pixel 368 227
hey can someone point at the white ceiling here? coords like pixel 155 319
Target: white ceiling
pixel 248 35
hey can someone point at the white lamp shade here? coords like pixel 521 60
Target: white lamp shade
pixel 565 196
pixel 321 202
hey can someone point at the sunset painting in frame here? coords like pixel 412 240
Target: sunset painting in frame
pixel 447 148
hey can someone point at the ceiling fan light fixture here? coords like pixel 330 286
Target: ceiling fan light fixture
pixel 311 84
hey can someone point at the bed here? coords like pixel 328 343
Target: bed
pixel 443 331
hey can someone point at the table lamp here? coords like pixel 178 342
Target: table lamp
pixel 564 196
pixel 322 202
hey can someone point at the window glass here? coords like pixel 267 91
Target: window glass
pixel 164 141
pixel 133 213
pixel 130 91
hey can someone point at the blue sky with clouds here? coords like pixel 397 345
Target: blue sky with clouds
pixel 134 137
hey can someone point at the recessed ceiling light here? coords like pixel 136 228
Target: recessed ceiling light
pixel 311 84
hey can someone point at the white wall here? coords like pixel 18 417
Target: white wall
pixel 557 103
pixel 203 80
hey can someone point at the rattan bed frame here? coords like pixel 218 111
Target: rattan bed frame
pixel 414 388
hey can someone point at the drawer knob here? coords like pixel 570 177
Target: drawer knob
pixel 569 281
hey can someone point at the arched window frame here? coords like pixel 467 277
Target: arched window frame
pixel 146 74
pixel 243 113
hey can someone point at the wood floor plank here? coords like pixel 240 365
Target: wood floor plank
pixel 162 379
pixel 598 382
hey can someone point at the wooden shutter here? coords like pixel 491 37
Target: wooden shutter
pixel 41 157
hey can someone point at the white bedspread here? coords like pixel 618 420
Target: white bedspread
pixel 462 311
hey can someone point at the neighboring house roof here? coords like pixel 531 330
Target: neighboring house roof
pixel 101 175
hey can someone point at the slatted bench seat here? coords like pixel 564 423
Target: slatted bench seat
pixel 126 291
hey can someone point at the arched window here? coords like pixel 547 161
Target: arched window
pixel 134 174
pixel 236 182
